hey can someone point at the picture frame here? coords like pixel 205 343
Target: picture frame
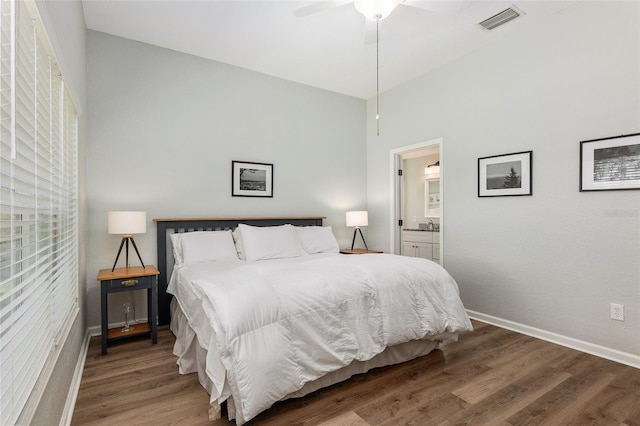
pixel 610 164
pixel 250 179
pixel 505 175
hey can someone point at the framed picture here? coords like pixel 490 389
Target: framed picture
pixel 505 175
pixel 609 164
pixel 251 179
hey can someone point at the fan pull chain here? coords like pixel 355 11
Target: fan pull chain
pixel 378 76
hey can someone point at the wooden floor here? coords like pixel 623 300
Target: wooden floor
pixel 491 376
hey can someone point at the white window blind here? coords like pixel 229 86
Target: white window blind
pixel 38 206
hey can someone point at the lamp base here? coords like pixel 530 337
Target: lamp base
pixel 125 239
pixel 355 231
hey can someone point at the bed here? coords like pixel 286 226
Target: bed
pixel 268 309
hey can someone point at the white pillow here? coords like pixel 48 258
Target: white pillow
pixel 237 237
pixel 269 242
pixel 317 239
pixel 203 246
pixel 177 249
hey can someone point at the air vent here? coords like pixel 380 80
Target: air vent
pixel 501 18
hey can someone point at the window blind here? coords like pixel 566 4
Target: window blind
pixel 38 206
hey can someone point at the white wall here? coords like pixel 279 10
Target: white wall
pixel 554 260
pixel 165 126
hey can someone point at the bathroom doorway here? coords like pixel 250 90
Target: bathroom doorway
pixel 417 198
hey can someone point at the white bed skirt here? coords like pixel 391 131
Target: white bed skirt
pixel 192 359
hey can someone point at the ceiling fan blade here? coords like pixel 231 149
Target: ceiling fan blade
pixel 317 7
pixel 448 7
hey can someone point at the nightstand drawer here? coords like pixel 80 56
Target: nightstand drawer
pixel 133 283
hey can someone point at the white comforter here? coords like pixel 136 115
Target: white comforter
pixel 278 324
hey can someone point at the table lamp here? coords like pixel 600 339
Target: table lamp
pixel 127 224
pixel 358 219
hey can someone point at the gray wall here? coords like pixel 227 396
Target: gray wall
pixel 64 22
pixel 165 126
pixel 554 260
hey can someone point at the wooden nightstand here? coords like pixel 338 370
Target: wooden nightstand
pixel 359 251
pixel 127 279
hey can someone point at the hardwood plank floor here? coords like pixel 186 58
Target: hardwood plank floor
pixel 491 376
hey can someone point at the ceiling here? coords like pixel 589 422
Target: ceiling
pixel 333 49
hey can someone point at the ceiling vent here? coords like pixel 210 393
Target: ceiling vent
pixel 501 18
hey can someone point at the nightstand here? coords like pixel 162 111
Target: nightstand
pixel 359 251
pixel 128 279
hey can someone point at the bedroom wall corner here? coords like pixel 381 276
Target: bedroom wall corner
pixel 554 260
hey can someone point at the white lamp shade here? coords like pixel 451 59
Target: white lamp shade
pixel 126 223
pixel 374 10
pixel 359 218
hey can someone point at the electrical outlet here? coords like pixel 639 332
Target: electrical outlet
pixel 414 218
pixel 617 312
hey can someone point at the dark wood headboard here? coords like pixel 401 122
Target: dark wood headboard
pixel 165 227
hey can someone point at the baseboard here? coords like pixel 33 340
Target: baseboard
pixel 94 331
pixel 74 388
pixel 580 345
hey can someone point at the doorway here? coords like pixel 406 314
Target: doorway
pixel 410 194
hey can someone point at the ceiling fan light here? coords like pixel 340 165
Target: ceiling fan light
pixel 376 10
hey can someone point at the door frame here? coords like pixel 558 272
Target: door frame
pixel 396 192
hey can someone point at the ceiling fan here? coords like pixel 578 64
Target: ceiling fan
pixel 380 9
pixel 375 11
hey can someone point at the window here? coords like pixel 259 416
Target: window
pixel 38 206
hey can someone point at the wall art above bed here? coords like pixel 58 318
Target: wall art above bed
pixel 503 175
pixel 610 163
pixel 251 179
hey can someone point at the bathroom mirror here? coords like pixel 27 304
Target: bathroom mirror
pixel 432 198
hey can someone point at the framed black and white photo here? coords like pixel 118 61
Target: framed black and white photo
pixel 505 175
pixel 251 179
pixel 609 164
